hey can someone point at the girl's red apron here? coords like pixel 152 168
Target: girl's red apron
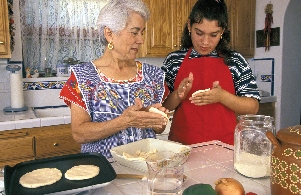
pixel 194 124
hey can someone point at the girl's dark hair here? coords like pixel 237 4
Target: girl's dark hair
pixel 210 10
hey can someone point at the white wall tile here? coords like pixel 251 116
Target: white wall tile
pixel 55 100
pixel 37 98
pixel 6 116
pixel 4 89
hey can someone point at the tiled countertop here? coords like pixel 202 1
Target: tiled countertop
pixel 28 119
pixel 207 162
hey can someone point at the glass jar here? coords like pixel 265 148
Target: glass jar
pixel 166 172
pixel 252 148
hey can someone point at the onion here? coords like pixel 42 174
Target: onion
pixel 228 186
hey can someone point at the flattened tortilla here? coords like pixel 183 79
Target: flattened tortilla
pixel 81 172
pixel 200 91
pixel 40 177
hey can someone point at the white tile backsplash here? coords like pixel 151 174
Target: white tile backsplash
pixel 41 98
pixel 55 100
pixel 261 68
pixel 4 86
pixel 47 96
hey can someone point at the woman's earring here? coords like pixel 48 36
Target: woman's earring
pixel 110 45
pixel 221 36
pixel 189 33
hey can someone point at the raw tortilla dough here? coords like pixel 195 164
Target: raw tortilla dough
pixel 200 91
pixel 40 177
pixel 139 155
pixel 156 110
pixel 81 172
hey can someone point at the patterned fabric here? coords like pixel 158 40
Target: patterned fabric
pixel 243 78
pixel 105 99
pixel 52 31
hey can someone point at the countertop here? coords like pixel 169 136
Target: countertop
pixel 206 163
pixel 29 119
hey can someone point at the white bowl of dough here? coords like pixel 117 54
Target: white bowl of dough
pixel 134 154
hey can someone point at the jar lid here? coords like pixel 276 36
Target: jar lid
pixel 290 135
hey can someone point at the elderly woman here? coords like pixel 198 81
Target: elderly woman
pixel 110 96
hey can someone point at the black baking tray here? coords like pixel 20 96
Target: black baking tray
pixel 13 174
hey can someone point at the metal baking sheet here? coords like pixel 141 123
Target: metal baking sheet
pixel 13 174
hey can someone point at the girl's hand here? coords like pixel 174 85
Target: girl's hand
pixel 185 86
pixel 209 97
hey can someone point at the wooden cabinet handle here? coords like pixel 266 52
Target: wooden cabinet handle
pixel 55 144
pixel 1 42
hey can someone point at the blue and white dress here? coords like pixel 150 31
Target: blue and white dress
pixel 105 99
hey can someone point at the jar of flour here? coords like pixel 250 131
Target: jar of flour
pixel 252 148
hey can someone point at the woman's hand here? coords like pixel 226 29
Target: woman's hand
pixel 159 107
pixel 135 116
pixel 85 131
pixel 185 86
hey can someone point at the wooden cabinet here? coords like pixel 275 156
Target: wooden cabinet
pixel 52 142
pixel 242 26
pixel 4 31
pixel 164 29
pixel 34 143
pixel 16 146
pixel 168 17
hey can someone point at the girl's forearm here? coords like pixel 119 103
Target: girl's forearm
pixel 172 101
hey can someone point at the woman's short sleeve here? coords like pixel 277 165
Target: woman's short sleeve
pixel 71 93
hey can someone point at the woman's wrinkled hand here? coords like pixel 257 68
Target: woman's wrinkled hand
pixel 159 107
pixel 136 116
pixel 208 97
pixel 185 86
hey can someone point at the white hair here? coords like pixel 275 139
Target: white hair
pixel 115 15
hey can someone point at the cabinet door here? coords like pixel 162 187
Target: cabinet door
pixel 15 147
pixel 55 143
pixel 160 29
pixel 164 29
pixel 183 12
pixel 242 26
pixel 4 31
